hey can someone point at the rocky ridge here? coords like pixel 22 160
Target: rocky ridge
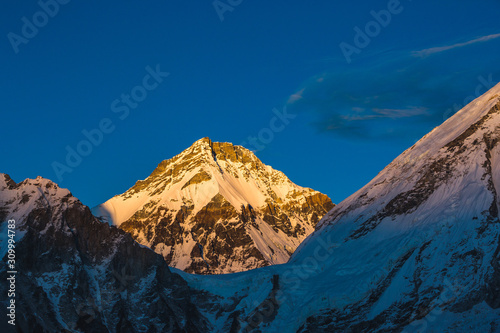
pixel 77 274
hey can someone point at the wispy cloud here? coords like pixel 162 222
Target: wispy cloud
pixel 401 113
pixel 394 96
pixel 427 52
pixel 385 113
pixel 295 97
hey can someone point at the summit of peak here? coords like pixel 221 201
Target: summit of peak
pixel 221 150
pixel 207 141
pixel 204 140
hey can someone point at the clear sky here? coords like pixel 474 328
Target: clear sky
pixel 330 91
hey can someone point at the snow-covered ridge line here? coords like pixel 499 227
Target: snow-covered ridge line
pixel 421 241
pixel 419 154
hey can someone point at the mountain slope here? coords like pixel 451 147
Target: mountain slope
pixel 216 208
pixel 76 274
pixel 422 236
pixel 415 250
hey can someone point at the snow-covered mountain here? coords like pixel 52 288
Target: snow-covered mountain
pixel 422 238
pixel 77 274
pixel 426 232
pixel 216 208
pixel 415 250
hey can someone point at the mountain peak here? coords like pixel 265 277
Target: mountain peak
pixel 222 151
pixel 202 142
pixel 476 111
pixel 214 191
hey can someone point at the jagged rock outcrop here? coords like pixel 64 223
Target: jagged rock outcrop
pixel 77 274
pixel 216 208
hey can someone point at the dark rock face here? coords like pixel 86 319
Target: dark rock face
pixel 80 275
pixel 205 221
pixel 201 177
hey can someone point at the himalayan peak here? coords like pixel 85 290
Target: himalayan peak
pixel 216 208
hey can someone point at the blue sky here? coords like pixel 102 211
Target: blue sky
pixel 102 66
